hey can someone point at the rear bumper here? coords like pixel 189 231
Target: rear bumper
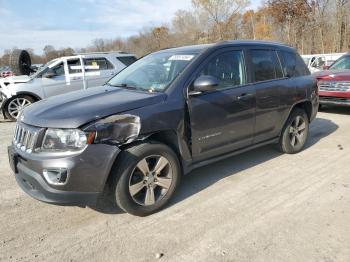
pixel 88 172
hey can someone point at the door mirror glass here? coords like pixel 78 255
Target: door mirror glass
pixel 205 83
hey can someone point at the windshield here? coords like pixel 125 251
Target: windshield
pixel 153 73
pixel 341 63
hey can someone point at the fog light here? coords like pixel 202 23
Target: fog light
pixel 56 176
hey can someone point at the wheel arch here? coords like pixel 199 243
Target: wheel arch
pixel 18 94
pixel 306 106
pixel 26 93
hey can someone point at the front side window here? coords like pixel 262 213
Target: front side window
pixel 58 69
pixel 341 63
pixel 153 73
pixel 228 68
pixel 100 64
pixel 265 65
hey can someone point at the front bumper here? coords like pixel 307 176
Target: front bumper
pixel 88 173
pixel 334 101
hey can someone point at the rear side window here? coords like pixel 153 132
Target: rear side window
pixel 100 64
pixel 127 60
pixel 228 68
pixel 265 65
pixel 293 65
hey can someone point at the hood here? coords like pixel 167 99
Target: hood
pixel 336 75
pixel 17 79
pixel 75 109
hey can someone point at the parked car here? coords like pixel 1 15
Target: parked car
pixel 334 83
pixel 5 71
pixel 343 63
pixel 136 136
pixel 318 62
pixel 60 76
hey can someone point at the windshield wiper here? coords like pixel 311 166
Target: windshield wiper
pixel 124 86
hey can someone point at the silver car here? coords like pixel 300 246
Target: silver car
pixel 60 76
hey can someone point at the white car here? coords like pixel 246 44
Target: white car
pixel 60 76
pixel 317 62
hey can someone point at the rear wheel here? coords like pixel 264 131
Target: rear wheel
pixel 295 132
pixel 145 178
pixel 16 104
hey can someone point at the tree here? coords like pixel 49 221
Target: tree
pixel 221 14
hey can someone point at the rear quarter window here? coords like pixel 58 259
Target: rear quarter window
pixel 293 65
pixel 127 60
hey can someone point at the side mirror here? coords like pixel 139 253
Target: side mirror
pixel 204 84
pixel 49 74
pixel 325 67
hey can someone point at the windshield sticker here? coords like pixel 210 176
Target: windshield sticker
pixel 181 57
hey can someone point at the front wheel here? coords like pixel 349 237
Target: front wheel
pixel 295 132
pixel 145 178
pixel 15 105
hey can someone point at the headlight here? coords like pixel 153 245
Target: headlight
pixel 64 140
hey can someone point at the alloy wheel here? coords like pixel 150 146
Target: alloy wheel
pixel 16 106
pixel 150 180
pixel 297 131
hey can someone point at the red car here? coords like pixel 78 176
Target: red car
pixel 334 84
pixel 6 74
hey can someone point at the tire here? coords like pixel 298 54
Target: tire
pixel 132 189
pixel 17 100
pixel 295 132
pixel 20 62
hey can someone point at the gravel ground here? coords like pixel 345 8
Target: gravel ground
pixel 258 206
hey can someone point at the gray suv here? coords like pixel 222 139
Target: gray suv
pixel 60 76
pixel 132 139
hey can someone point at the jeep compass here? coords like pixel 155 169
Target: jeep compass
pixel 164 115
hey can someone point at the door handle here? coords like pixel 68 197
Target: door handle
pixel 244 96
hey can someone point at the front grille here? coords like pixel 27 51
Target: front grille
pixel 332 86
pixel 25 137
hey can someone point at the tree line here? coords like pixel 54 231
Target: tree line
pixel 311 26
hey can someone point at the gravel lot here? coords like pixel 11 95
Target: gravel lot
pixel 259 206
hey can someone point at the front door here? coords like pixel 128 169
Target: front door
pixel 67 78
pixel 222 120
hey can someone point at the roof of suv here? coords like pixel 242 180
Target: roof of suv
pixel 202 47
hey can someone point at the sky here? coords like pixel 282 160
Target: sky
pixel 75 23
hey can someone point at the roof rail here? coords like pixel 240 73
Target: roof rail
pixel 106 52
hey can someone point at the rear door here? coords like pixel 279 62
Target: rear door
pixel 267 79
pixel 101 71
pixel 222 120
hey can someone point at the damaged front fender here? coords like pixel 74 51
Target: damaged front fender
pixel 116 129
